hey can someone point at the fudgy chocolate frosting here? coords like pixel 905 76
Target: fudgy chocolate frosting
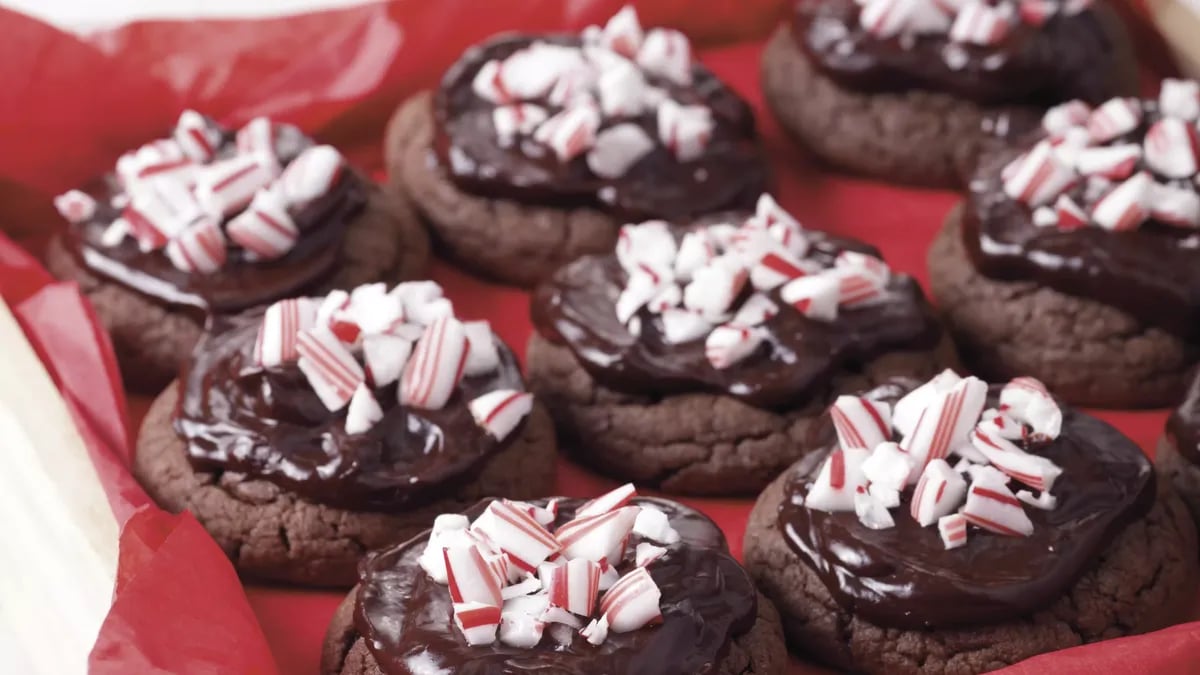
pixel 1183 426
pixel 268 422
pixel 731 172
pixel 576 307
pixel 1152 272
pixel 1068 57
pixel 407 619
pixel 903 577
pixel 240 283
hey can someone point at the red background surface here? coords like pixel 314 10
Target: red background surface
pixel 179 607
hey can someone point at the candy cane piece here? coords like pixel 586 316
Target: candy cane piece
pixel 667 54
pixel 499 412
pixel 199 249
pixel 995 509
pixel 330 368
pixel 432 374
pixel 1173 148
pixel 953 530
pixel 939 491
pixel 632 602
pixel 364 411
pixel 477 621
pixel 838 480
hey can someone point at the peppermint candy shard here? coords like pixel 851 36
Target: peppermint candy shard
pixel 432 374
pixel 331 369
pixel 1175 205
pixel 1037 177
pixel 1044 501
pixel 647 553
pixel 571 132
pixel 364 411
pixel 282 324
pixel 470 577
pixel 257 136
pixel 682 325
pixel 632 602
pixel 499 412
pixel 838 481
pixel 888 468
pixel 608 502
pixel 596 632
pixel 938 493
pixel 517 534
pixel 655 525
pixel 1173 148
pixel 573 585
pixel 311 175
pixel 650 242
pixel 1069 215
pixel 979 23
pixel 1115 162
pixel 907 411
pixel 228 185
pixel 449 529
pixel 946 422
pixel 516 119
pixel 75 206
pixel 1028 401
pixel 623 32
pixel 684 129
pixel 520 630
pixel 993 507
pixel 953 530
pixel 667 54
pixel 1037 472
pixel 265 228
pixel 696 249
pixel 860 422
pixel 1116 117
pixel 617 149
pixel 727 345
pixel 477 622
pixel 1064 116
pixel 197 136
pixel 815 296
pixel 597 537
pixel 482 356
pixel 1180 99
pixel 871 512
pixel 199 249
pixel 755 311
pixel 1124 207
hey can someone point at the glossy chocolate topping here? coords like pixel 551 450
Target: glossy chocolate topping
pixel 903 577
pixel 576 307
pixel 731 172
pixel 268 422
pixel 241 282
pixel 1183 426
pixel 1151 272
pixel 707 600
pixel 1068 57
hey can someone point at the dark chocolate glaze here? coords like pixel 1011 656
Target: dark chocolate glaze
pixel 800 356
pixel 731 172
pixel 1183 426
pixel 407 619
pixel 241 283
pixel 1068 57
pixel 1151 272
pixel 903 577
pixel 268 423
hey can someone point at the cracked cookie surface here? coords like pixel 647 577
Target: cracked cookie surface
pixel 1183 475
pixel 1145 580
pixel 499 239
pixel 385 243
pixel 1086 352
pixel 697 444
pixel 272 534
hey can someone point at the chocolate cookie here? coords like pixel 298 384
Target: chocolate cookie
pixel 385 243
pixel 709 616
pixel 892 108
pixel 1178 457
pixel 928 575
pixel 1088 352
pixel 533 149
pixel 273 534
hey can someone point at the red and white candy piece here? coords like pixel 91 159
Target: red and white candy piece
pixel 684 129
pixel 815 296
pixel 608 502
pixel 311 175
pixel 863 263
pixel 573 585
pixel 860 422
pixel 857 287
pixel 477 621
pixel 196 136
pixel 714 288
pixel 530 73
pixel 838 480
pixel 1027 400
pixel 199 249
pixel 597 537
pixel 449 529
pixel 907 411
pixel 632 602
pixel 646 553
pixel 775 269
pixel 571 132
pixel 889 18
pixel 994 508
pixel 755 311
pixel 227 186
pixel 499 412
pixel 1002 424
pixel 161 159
pixel 1116 162
pixel 979 23
pixel 617 149
pixel 888 468
pixel 667 54
pixel 1037 472
pixel 1175 205
pixel 385 357
pixel 946 423
pixel 257 136
pixel 776 220
pixel 517 119
pixel 1064 116
pixel 364 411
pixel 332 371
pixel 1044 501
pixel 1124 207
pixel 436 367
pixel 623 33
pixel 1068 214
pixel 953 530
pixel 76 206
pixel 488 84
pixel 696 249
pixel 621 89
pixel 939 491
pixel 683 325
pixel 517 534
pixel 471 577
pixel 482 355
pixel 520 630
pixel 655 525
pixel 265 228
pixel 1036 12
pixel 646 282
pixel 160 210
pixel 1173 148
pixel 728 344
pixel 1180 99
pixel 523 587
pixel 596 632
pixel 871 512
pixel 649 242
pixel 1037 177
pixel 1116 117
pixel 281 327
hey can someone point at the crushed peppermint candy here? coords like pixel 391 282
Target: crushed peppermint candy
pixel 1118 166
pixel 884 450
pixel 581 102
pixel 722 282
pixel 511 574
pixel 965 22
pixel 204 192
pixel 349 345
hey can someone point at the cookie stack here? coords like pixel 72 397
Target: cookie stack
pixel 335 422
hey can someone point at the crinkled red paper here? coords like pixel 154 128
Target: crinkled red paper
pixel 69 107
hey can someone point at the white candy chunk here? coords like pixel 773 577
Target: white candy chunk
pixel 482 355
pixel 477 621
pixel 985 474
pixel 939 491
pixel 650 242
pixel 815 296
pixel 518 119
pixel 684 129
pixel 596 632
pixel 888 498
pixel 364 411
pixel 696 249
pixel 714 287
pixel 728 344
pixel 953 530
pixel 1180 99
pixel 449 530
pixel 860 422
pixel 654 525
pixel 1175 205
pixel 621 90
pixel 385 357
pixel 1044 501
pixel 838 480
pixel 529 73
pixel 946 423
pixel 667 54
pixel 995 509
pixel 683 325
pixel 908 409
pixel 623 32
pixel 1035 471
pixel 647 553
pixel 1026 400
pixel 617 149
pixel 1063 117
pixel 888 467
pixel 756 310
pixel 521 631
pixel 871 512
